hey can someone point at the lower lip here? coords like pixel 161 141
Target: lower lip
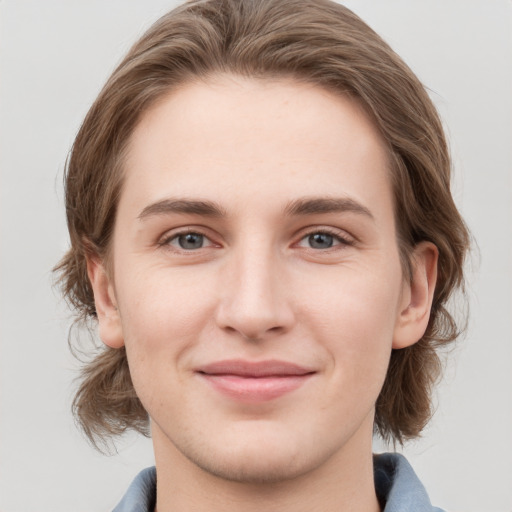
pixel 255 389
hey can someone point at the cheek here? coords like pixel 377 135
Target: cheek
pixel 163 320
pixel 359 301
pixel 164 311
pixel 354 315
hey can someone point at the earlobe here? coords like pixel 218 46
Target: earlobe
pixel 109 320
pixel 414 314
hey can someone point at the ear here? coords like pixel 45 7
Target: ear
pixel 109 320
pixel 417 296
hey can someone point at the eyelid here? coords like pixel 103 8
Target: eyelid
pixel 344 238
pixel 168 236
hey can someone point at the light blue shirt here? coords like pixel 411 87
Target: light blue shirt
pixel 397 486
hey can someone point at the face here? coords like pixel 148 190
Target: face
pixel 256 278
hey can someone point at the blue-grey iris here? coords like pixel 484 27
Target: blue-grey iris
pixel 321 240
pixel 191 241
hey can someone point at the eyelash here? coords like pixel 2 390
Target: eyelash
pixel 166 241
pixel 342 240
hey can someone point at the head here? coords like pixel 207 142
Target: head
pixel 293 49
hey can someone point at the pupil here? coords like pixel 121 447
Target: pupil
pixel 321 240
pixel 191 241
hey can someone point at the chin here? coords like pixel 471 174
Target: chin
pixel 250 454
pixel 263 457
pixel 256 467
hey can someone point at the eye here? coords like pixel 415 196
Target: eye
pixel 323 240
pixel 188 241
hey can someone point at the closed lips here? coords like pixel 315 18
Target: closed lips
pixel 250 369
pixel 254 382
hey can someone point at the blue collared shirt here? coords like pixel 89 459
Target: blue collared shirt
pixel 397 486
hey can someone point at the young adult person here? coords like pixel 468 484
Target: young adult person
pixel 262 227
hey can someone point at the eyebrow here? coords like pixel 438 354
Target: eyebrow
pixel 318 205
pixel 186 206
pixel 297 207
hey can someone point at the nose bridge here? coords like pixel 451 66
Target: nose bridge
pixel 254 302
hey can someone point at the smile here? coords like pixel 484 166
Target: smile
pixel 254 381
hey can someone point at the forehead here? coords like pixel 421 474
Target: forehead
pixel 273 139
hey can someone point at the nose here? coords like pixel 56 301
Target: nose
pixel 254 299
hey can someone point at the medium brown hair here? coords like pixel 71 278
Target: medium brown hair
pixel 316 41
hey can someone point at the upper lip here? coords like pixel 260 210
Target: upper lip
pixel 243 368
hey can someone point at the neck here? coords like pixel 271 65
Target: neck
pixel 341 484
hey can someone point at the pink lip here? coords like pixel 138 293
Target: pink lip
pixel 254 381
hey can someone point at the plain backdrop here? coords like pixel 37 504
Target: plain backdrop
pixel 54 57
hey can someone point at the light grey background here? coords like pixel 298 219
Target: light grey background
pixel 54 57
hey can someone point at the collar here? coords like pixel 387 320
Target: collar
pixel 397 486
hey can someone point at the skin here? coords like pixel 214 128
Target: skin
pixel 257 286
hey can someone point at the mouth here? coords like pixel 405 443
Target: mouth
pixel 249 381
